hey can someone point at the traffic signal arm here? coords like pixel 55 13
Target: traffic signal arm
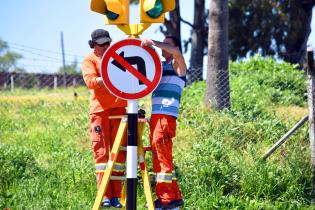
pixel 134 30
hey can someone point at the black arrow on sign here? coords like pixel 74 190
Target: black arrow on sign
pixel 132 61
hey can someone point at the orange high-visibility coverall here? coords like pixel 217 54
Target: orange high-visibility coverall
pixel 102 130
pixel 162 132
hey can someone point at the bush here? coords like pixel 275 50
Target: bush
pixel 259 83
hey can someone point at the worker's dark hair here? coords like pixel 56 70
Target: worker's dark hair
pixel 175 40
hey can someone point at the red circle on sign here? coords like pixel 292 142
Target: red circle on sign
pixel 111 53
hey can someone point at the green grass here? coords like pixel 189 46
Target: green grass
pixel 53 135
pixel 46 161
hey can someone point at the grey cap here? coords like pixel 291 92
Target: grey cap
pixel 100 36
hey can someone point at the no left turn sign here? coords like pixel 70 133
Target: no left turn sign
pixel 130 71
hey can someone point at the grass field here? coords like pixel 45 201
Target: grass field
pixel 46 161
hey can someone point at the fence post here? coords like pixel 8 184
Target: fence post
pixel 12 81
pixel 55 82
pixel 65 80
pixel 74 82
pixel 311 109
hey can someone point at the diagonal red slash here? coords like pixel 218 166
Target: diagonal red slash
pixel 131 69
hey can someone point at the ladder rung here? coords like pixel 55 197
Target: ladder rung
pixel 117 117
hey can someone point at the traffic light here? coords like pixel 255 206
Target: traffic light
pixel 116 11
pixel 152 11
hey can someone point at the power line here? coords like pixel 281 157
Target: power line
pixel 42 50
pixel 38 68
pixel 35 53
pixel 50 63
pixel 27 65
pixel 47 60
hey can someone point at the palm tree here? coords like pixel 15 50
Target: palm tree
pixel 198 42
pixel 218 86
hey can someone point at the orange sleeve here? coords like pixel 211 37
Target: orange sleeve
pixel 89 73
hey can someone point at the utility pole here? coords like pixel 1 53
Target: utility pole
pixel 63 60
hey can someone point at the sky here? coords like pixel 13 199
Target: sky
pixel 33 28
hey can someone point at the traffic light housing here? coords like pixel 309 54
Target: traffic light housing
pixel 116 11
pixel 152 11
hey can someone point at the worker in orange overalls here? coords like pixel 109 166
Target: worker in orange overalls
pixel 102 105
pixel 165 104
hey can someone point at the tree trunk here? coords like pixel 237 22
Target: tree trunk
pixel 197 43
pixel 300 29
pixel 311 112
pixel 172 24
pixel 218 86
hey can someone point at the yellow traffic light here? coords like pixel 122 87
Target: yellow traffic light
pixel 152 11
pixel 116 11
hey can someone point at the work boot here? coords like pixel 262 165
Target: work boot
pixel 177 203
pixel 171 206
pixel 106 203
pixel 158 204
pixel 115 203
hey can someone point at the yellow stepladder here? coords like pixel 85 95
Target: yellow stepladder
pixel 113 156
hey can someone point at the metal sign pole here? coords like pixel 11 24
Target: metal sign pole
pixel 112 82
pixel 132 154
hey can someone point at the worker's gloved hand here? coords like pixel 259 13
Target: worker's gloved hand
pixel 141 114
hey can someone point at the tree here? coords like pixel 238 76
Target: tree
pixel 218 88
pixel 8 59
pixel 172 25
pixel 69 69
pixel 270 27
pixel 198 42
pixel 267 27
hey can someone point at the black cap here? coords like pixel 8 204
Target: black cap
pixel 100 36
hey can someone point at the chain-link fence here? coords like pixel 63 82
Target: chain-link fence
pixel 29 80
pixel 47 116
